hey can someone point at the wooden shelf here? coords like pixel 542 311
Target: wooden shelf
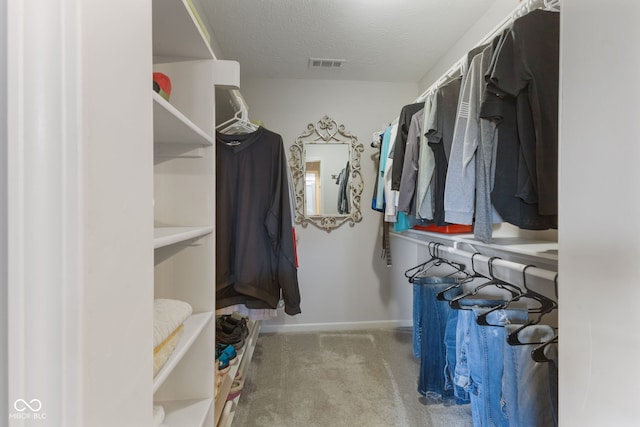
pixel 165 236
pixel 193 326
pixel 244 360
pixel 171 126
pixel 176 33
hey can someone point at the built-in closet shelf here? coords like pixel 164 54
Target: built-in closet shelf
pixel 165 236
pixel 542 250
pixel 193 326
pixel 171 126
pixel 186 413
pixel 244 360
pixel 537 248
pixel 183 188
pixel 177 35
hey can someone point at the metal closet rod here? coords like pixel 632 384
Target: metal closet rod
pixel 521 10
pixel 476 262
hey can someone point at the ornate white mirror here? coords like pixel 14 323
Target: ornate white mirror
pixel 325 166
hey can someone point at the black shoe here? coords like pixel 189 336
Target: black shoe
pixel 238 323
pixel 225 335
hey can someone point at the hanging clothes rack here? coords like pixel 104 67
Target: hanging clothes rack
pixel 540 280
pixel 458 67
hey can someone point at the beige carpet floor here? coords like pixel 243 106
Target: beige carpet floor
pixel 351 379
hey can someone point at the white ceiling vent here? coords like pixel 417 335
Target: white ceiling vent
pixel 326 63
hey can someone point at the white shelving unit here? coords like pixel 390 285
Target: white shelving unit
pixel 165 236
pixel 193 327
pixel 173 127
pixel 184 208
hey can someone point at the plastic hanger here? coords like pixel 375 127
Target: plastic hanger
pixel 537 354
pixel 552 5
pixel 512 289
pixel 414 271
pixel 435 261
pixel 235 117
pixel 441 295
pixel 239 123
pixel 547 305
pixel 482 318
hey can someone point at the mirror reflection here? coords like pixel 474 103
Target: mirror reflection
pixel 326 179
pixel 325 167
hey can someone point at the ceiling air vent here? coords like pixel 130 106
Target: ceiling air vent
pixel 325 63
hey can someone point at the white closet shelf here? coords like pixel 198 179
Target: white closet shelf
pixel 183 413
pixel 193 326
pixel 165 236
pixel 177 34
pixel 540 249
pixel 171 126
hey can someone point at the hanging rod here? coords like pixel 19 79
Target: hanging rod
pixel 539 279
pixel 457 68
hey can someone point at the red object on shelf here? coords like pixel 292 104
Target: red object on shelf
pixel 446 229
pixel 164 85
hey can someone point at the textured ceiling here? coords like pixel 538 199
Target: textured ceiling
pixel 381 40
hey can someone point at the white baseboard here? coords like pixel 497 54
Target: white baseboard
pixel 337 326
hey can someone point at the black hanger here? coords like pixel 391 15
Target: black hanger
pixel 435 260
pixel 512 289
pixel 537 354
pixel 414 271
pixel 441 295
pixel 440 260
pixel 482 318
pixel 547 305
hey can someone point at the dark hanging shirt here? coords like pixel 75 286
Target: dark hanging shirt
pixel 255 261
pixel 404 121
pixel 528 61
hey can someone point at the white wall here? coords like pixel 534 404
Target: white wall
pixel 599 226
pixel 485 24
pixel 4 321
pixel 343 280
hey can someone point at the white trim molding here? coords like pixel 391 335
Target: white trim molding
pixel 44 150
pixel 336 326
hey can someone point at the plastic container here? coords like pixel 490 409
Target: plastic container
pixel 446 229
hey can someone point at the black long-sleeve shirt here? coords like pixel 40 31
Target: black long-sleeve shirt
pixel 255 260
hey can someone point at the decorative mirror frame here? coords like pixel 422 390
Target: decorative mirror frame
pixel 326 130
